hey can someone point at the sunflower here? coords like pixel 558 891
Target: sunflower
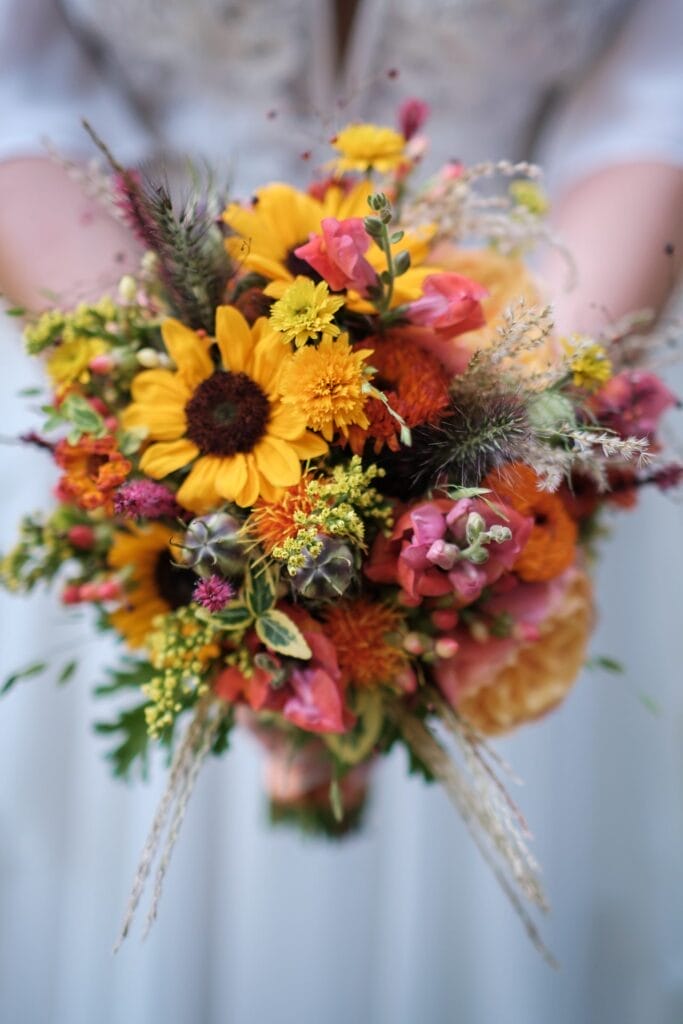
pixel 281 219
pixel 227 420
pixel 157 585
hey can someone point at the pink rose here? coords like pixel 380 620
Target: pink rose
pixel 449 304
pixel 338 254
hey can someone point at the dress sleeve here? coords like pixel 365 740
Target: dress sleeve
pixel 49 82
pixel 629 107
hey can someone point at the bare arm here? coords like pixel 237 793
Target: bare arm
pixel 54 239
pixel 624 229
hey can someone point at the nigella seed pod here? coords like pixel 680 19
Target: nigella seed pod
pixel 213 543
pixel 327 574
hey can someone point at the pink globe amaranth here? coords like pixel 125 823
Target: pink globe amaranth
pixel 423 553
pixel 450 304
pixel 338 254
pixel 632 403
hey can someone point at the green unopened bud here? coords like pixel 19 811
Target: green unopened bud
pixel 213 543
pixel 401 262
pixel 474 527
pixel 499 533
pixel 373 226
pixel 550 411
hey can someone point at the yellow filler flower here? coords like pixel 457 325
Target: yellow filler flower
pixel 226 420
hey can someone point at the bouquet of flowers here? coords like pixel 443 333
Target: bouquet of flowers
pixel 330 474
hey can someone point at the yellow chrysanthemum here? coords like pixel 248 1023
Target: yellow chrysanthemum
pixel 282 218
pixel 68 364
pixel 157 586
pixel 364 146
pixel 305 311
pixel 226 419
pixel 326 383
pixel 588 361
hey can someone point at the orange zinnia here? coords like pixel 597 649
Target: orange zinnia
pixel 551 547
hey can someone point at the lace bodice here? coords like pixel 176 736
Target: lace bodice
pixel 208 73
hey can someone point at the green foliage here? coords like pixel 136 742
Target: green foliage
pixel 25 673
pixel 259 590
pixel 279 633
pixel 131 674
pixel 78 413
pixel 134 746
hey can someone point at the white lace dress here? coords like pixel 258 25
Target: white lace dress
pixel 402 925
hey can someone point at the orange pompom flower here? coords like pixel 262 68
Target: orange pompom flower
pixel 366 636
pixel 93 469
pixel 551 548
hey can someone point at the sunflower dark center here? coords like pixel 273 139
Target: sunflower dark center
pixel 227 414
pixel 296 266
pixel 173 584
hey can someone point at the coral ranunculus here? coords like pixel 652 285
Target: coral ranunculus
pixel 338 254
pixel 450 304
pixel 500 684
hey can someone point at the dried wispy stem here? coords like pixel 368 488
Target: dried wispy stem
pixel 490 815
pixel 187 761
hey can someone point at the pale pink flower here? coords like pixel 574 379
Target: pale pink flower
pixel 449 304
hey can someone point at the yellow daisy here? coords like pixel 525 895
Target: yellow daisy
pixel 282 218
pixel 69 363
pixel 157 586
pixel 364 146
pixel 326 384
pixel 225 419
pixel 305 310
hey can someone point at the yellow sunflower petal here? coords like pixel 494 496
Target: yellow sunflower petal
pixel 286 422
pixel 188 351
pixel 198 491
pixel 267 361
pixel 160 385
pixel 233 337
pixel 270 493
pixel 166 456
pixel 353 203
pixel 309 446
pixel 231 476
pixel 277 462
pixel 250 492
pixel 163 422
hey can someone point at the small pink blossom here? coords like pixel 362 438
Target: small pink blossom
pixel 449 304
pixel 338 254
pixel 412 114
pixel 213 593
pixel 632 403
pixel 316 703
pixel 145 499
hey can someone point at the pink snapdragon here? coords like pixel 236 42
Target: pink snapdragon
pixel 316 703
pixel 338 254
pixel 450 304
pixel 430 554
pixel 632 403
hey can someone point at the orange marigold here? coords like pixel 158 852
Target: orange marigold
pixel 366 638
pixel 93 469
pixel 415 383
pixel 551 547
pixel 273 522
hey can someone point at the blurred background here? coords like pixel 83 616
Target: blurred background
pixel 402 923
